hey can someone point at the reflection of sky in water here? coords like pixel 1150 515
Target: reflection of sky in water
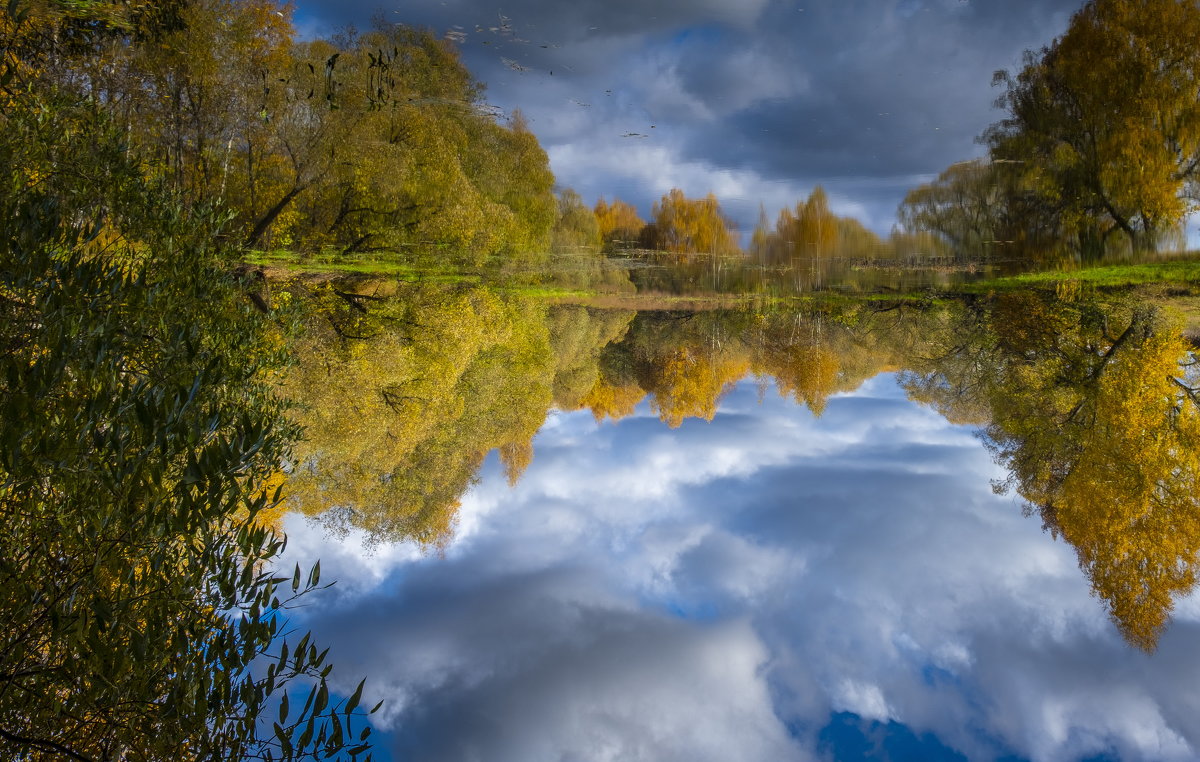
pixel 767 586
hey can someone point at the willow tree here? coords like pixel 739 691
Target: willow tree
pixel 684 225
pixel 1093 408
pixel 962 205
pixel 619 222
pixel 1105 122
pixel 140 611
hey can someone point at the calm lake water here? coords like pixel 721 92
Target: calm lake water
pixel 561 532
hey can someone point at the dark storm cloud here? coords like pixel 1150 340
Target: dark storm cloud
pixel 884 89
pixel 756 101
pixel 555 22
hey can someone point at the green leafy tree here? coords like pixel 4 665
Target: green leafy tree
pixel 143 616
pixel 365 142
pixel 576 226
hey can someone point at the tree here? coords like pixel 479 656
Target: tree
pixel 981 207
pixel 143 618
pixel 619 223
pixel 1093 409
pixel 576 226
pixel 963 206
pixel 684 225
pixel 404 398
pixel 385 145
pixel 1105 122
pixel 366 142
pixel 812 230
pixel 1100 436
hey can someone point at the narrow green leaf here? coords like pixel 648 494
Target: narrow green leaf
pixel 352 702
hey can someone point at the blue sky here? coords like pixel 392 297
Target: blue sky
pixel 755 100
pixel 767 586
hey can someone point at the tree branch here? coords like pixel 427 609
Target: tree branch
pixel 44 745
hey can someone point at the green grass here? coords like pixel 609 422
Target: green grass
pixel 315 264
pixel 1113 276
pixel 1184 272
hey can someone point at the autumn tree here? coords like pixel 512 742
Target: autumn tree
pixel 813 227
pixel 1102 442
pixel 683 225
pixel 1093 409
pixel 607 400
pixel 405 394
pixel 1105 122
pixel 811 230
pixel 619 223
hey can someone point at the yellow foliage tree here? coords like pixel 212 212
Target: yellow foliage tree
pixel 684 225
pixel 620 224
pixel 1093 409
pixel 1105 121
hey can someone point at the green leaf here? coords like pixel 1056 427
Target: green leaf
pixel 285 741
pixel 322 698
pixel 352 702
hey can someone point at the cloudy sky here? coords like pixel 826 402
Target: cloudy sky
pixel 754 100
pixel 769 586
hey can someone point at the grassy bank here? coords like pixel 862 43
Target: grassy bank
pixel 1181 272
pixel 283 264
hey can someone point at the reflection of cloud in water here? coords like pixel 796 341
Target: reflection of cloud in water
pixel 717 591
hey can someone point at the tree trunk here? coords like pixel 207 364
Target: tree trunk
pixel 265 221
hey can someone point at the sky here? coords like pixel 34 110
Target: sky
pixel 768 586
pixel 757 101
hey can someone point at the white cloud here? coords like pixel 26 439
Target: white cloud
pixel 707 592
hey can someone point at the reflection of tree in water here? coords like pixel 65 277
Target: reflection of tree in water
pixel 404 395
pixel 1090 405
pixel 1093 408
pixel 403 398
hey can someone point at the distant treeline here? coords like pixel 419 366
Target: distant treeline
pixel 1099 155
pixel 381 141
pixel 685 225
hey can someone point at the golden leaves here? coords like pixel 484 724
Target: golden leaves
pixel 1090 411
pixel 684 225
pixel 1106 122
pixel 619 223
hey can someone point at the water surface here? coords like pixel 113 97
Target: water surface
pixel 753 535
